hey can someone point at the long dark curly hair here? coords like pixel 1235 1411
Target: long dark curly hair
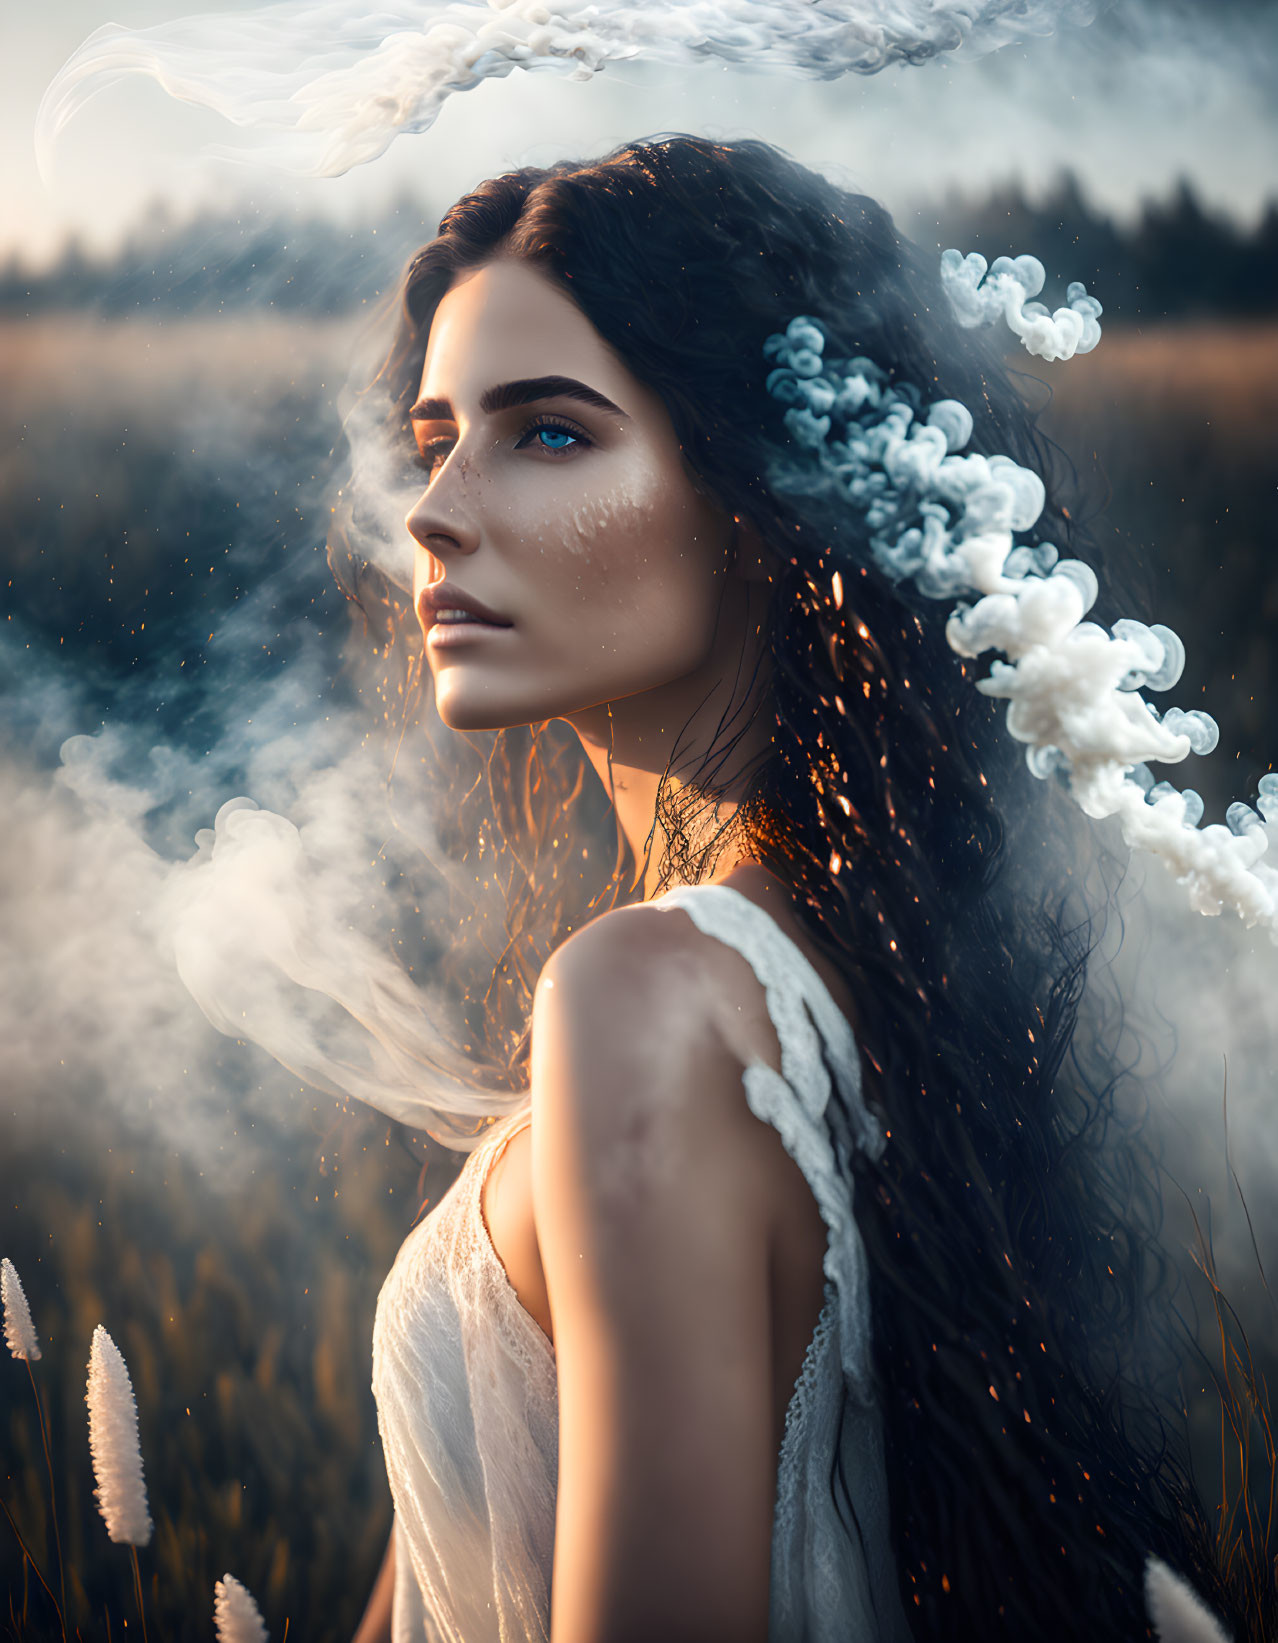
pixel 1011 1223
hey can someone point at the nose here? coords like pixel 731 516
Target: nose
pixel 444 518
pixel 444 524
pixel 441 526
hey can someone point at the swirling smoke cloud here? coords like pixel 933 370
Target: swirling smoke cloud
pixel 981 295
pixel 333 84
pixel 328 87
pixel 947 521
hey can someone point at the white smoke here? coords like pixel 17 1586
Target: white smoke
pixel 946 521
pixel 384 484
pixel 94 1016
pixel 280 927
pixel 333 85
pixel 1198 994
pixel 269 930
pixel 980 295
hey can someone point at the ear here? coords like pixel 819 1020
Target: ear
pixel 752 559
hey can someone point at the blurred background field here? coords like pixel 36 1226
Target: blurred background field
pixel 168 425
pixel 244 1316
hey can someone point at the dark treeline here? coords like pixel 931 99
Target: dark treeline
pixel 1177 260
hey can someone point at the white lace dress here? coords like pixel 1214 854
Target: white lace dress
pixel 466 1393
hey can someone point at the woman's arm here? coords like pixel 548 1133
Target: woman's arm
pixel 648 1186
pixel 375 1627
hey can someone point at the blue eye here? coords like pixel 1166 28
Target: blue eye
pixel 550 434
pixel 553 435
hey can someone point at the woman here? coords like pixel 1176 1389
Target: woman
pixel 795 1295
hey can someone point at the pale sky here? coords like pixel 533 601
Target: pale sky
pixel 1131 103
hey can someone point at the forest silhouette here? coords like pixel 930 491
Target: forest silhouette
pixel 1177 259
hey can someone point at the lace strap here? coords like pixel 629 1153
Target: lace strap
pixel 815 1039
pixel 799 1002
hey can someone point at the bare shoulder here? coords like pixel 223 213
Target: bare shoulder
pixel 643 943
pixel 642 1029
pixel 637 985
pixel 646 984
pixel 652 1210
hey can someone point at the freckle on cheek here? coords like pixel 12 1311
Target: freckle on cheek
pixel 621 512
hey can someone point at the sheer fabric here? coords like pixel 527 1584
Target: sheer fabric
pixel 466 1392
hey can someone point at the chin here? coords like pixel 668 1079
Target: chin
pixel 475 703
pixel 479 709
pixel 474 716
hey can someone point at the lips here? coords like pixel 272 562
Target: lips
pixel 446 597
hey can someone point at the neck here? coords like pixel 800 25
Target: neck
pixel 705 729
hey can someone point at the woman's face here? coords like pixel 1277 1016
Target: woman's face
pixel 556 499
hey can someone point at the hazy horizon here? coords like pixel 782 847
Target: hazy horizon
pixel 1130 104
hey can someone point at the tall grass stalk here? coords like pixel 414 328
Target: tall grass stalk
pixel 19 1331
pixel 1176 1611
pixel 20 1338
pixel 53 1503
pixel 236 1616
pixel 137 1587
pixel 28 1559
pixel 117 1453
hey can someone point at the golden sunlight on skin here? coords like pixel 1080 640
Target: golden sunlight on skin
pixel 661 1232
pixel 636 605
pixel 601 554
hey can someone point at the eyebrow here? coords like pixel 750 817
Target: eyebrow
pixel 521 392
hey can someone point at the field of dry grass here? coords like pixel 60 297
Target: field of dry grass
pixel 245 1313
pixel 245 1320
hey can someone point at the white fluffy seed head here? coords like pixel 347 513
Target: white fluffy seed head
pixel 1175 1610
pixel 19 1331
pixel 113 1442
pixel 235 1615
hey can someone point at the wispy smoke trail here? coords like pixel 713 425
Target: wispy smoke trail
pixel 269 928
pixel 293 924
pixel 335 84
pixel 97 1026
pixel 273 926
pixel 1198 996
